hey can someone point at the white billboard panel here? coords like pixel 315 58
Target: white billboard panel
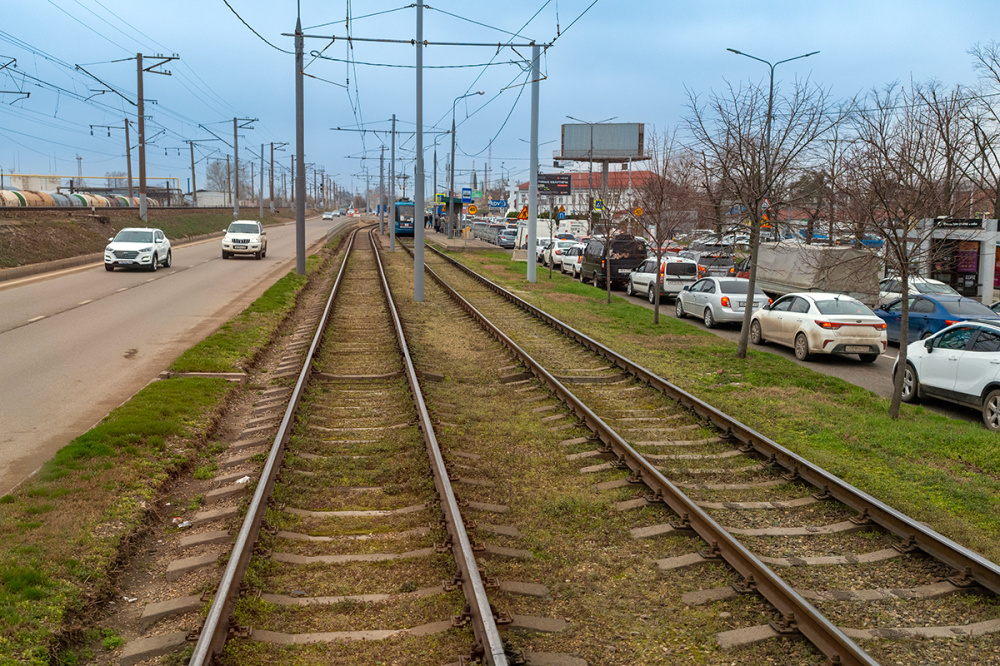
pixel 611 142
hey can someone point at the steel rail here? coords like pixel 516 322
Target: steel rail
pixel 966 563
pixel 812 624
pixel 484 625
pixel 216 628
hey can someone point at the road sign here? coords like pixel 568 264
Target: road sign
pixel 555 184
pixel 638 211
pixel 472 209
pixel 598 204
pixel 466 195
pixel 562 209
pixel 477 194
pixel 498 203
pixel 765 204
pixel 562 215
pixel 523 215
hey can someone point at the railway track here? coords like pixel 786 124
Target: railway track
pixel 861 582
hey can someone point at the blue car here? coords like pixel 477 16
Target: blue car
pixel 931 313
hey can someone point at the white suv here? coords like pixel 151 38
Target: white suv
pixel 132 246
pixel 960 364
pixel 245 237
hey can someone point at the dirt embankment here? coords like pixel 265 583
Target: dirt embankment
pixel 30 236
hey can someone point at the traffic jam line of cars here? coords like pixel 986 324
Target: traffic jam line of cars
pixel 954 353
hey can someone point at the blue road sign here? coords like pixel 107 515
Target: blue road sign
pixel 466 195
pixel 562 215
pixel 498 203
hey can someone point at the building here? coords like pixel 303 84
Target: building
pixel 621 188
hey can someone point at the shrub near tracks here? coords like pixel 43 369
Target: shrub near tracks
pixel 943 472
pixel 63 531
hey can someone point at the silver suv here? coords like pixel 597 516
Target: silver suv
pixel 245 237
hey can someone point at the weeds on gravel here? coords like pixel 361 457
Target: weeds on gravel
pixel 941 471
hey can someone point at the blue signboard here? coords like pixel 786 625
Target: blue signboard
pixel 562 215
pixel 498 203
pixel 466 195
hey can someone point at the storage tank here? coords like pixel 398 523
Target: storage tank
pixel 78 199
pixel 34 199
pixel 10 198
pixel 123 202
pixel 60 199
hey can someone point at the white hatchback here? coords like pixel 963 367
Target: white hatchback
pixel 960 364
pixel 145 248
pixel 820 323
pixel 245 237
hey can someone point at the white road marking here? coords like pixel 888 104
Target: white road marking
pixel 34 319
pixel 150 279
pixel 121 290
pixel 89 300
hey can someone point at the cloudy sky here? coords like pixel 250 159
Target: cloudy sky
pixel 633 60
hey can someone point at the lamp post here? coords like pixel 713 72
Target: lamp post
pixel 451 184
pixel 590 161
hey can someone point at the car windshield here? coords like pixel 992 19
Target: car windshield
pixel 934 288
pixel 968 308
pixel 737 287
pixel 243 228
pixel 843 306
pixel 134 236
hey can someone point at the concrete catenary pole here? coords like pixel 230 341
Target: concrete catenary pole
pixel 533 182
pixel 381 192
pixel 142 144
pixel 392 187
pixel 261 197
pixel 300 147
pixel 236 170
pixel 418 171
pixel 194 183
pixel 128 161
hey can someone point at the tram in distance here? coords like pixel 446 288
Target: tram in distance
pixel 403 217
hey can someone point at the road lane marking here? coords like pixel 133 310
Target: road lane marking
pixel 150 279
pixel 89 300
pixel 34 319
pixel 121 290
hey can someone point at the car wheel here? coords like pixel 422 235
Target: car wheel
pixel 678 307
pixel 629 291
pixel 991 410
pixel 925 335
pixel 911 386
pixel 868 358
pixel 263 253
pixel 597 282
pixel 170 259
pixel 225 255
pixel 801 347
pixel 756 335
pixel 109 267
pixel 651 294
pixel 709 318
pixel 258 255
pixel 154 264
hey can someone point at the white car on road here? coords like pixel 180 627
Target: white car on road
pixel 718 300
pixel 820 323
pixel 244 237
pixel 132 246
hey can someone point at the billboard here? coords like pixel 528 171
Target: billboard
pixel 603 142
pixel 555 184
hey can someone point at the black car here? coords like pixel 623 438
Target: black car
pixel 626 252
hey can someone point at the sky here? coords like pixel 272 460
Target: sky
pixel 630 60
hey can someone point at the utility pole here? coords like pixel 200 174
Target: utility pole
pixel 533 182
pixel 392 184
pixel 261 198
pixel 229 181
pixel 128 161
pixel 236 160
pixel 142 125
pixel 194 184
pixel 381 192
pixel 418 169
pixel 300 147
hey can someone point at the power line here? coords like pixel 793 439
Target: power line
pixel 236 14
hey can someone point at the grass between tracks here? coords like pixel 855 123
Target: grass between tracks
pixel 941 471
pixel 64 531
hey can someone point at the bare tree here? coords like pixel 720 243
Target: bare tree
pixel 756 142
pixel 617 205
pixel 895 178
pixel 984 118
pixel 668 196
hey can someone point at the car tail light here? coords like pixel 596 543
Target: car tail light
pixel 725 301
pixel 602 263
pixel 880 327
pixel 829 325
pixel 732 270
pixel 949 322
pixel 770 301
pixel 663 268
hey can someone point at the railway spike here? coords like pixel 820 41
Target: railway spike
pixel 963 579
pixel 863 518
pixel 824 494
pixel 712 552
pixel 635 478
pixel 682 523
pixel 909 547
pixel 786 626
pixel 745 585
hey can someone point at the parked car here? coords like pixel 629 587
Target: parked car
pixel 554 253
pixel 820 323
pixel 507 238
pixel 718 265
pixel 246 237
pixel 566 236
pixel 960 364
pixel 132 246
pixel 929 314
pixel 673 275
pixel 541 245
pixel 891 288
pixel 626 252
pixel 571 259
pixel 718 300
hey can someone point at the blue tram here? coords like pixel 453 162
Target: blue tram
pixel 403 217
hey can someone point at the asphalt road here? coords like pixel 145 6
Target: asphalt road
pixel 78 343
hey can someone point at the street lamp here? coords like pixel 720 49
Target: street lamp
pixel 451 185
pixel 590 159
